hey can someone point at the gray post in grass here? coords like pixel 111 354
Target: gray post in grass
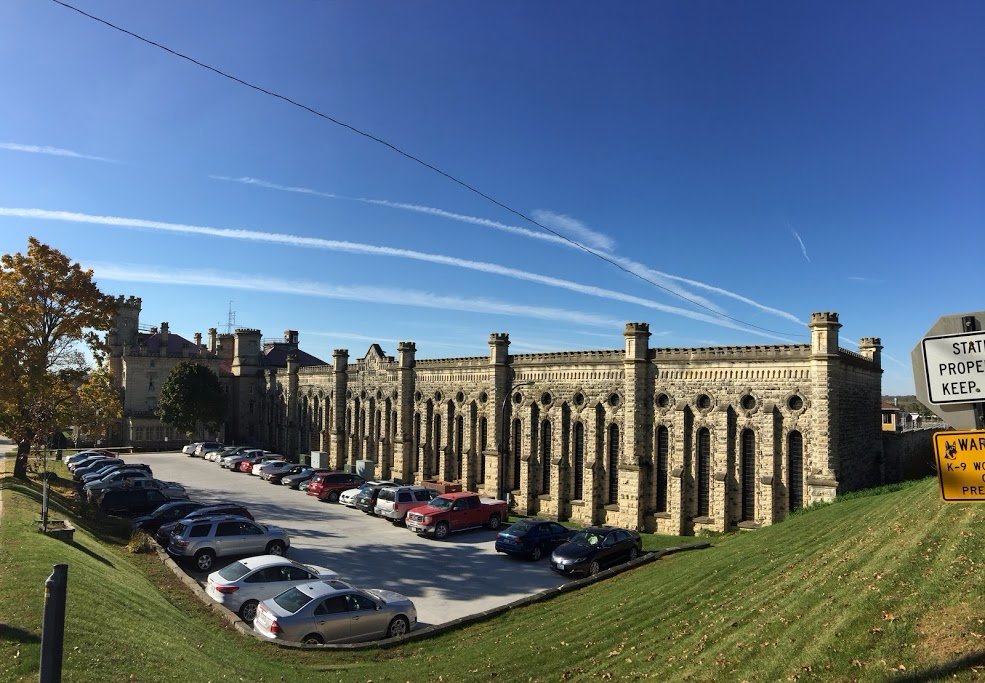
pixel 53 625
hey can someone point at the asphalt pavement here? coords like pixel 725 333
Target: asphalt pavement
pixel 446 579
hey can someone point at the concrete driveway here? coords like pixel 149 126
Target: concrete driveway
pixel 446 579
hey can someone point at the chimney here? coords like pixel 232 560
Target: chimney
pixel 164 339
pixel 212 335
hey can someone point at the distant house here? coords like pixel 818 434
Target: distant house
pixel 893 418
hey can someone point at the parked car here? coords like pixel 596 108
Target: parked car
pixel 207 446
pixel 394 502
pixel 104 473
pixel 348 497
pixel 242 585
pixel 334 612
pixel 532 538
pixel 91 464
pixel 262 466
pixel 82 455
pixel 117 476
pixel 277 476
pixel 169 512
pixel 296 480
pixel 368 493
pixel 451 512
pixel 330 485
pixel 131 502
pixel 190 448
pixel 595 548
pixel 215 455
pixel 164 531
pixel 203 540
pixel 231 462
pixel 171 489
pixel 251 464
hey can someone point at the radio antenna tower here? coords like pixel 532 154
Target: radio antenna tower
pixel 230 318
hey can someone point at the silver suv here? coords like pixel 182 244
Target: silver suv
pixel 203 540
pixel 394 502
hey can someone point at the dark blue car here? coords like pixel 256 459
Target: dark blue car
pixel 532 538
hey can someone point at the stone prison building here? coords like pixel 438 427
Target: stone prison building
pixel 672 440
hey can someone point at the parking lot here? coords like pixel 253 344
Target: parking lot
pixel 446 579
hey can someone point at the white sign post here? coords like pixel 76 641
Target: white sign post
pixel 955 366
pixel 949 370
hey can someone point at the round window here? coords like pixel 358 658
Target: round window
pixel 703 401
pixel 379 394
pixel 613 399
pixel 795 402
pixel 483 397
pixel 518 398
pixel 417 396
pixel 578 399
pixel 348 394
pixel 362 395
pixel 460 397
pixel 437 396
pixel 545 398
pixel 748 402
pixel 663 400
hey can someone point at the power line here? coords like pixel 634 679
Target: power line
pixel 418 160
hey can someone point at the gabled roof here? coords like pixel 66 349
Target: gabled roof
pixel 152 342
pixel 276 357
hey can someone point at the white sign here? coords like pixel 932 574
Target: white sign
pixel 955 365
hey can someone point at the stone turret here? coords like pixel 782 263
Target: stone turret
pixel 403 462
pixel 340 452
pixel 824 334
pixel 871 348
pixel 246 352
pixel 212 339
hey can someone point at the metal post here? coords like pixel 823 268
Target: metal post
pixel 53 625
pixel 970 324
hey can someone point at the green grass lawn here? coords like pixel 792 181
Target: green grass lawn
pixel 878 587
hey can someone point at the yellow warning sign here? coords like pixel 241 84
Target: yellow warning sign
pixel 961 465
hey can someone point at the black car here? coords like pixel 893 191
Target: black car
pixel 169 512
pixel 94 466
pixel 277 477
pixel 595 548
pixel 532 538
pixel 164 531
pixel 369 492
pixel 132 502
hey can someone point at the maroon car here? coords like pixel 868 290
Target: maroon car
pixel 330 485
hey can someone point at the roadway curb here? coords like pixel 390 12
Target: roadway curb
pixel 429 631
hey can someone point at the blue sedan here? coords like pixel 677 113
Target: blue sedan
pixel 532 538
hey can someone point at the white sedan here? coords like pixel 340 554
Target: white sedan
pixel 348 497
pixel 242 585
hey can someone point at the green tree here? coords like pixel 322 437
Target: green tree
pixel 191 397
pixel 98 406
pixel 49 309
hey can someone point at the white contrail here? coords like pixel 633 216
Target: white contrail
pixel 52 151
pixel 376 295
pixel 803 248
pixel 374 250
pixel 665 280
pixel 575 228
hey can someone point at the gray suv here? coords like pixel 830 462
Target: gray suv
pixel 203 540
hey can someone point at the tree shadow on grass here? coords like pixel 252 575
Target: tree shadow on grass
pixel 106 529
pixel 19 635
pixel 944 670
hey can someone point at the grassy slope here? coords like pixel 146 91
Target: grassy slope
pixel 869 588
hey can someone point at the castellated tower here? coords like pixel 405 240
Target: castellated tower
pixel 246 352
pixel 122 336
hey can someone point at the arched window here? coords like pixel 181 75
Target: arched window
pixel 704 471
pixel 417 442
pixel 579 465
pixel 748 446
pixel 795 470
pixel 660 478
pixel 517 444
pixel 459 437
pixel 483 435
pixel 545 457
pixel 613 496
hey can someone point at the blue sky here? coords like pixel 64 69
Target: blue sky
pixel 763 159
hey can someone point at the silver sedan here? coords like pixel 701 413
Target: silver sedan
pixel 241 586
pixel 334 612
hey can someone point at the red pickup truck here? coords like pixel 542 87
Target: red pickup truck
pixel 454 512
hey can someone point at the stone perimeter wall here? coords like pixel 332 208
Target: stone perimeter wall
pixel 667 440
